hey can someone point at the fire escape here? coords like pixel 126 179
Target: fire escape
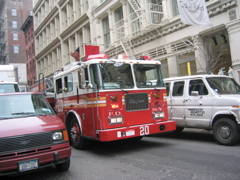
pixel 2 35
pixel 142 20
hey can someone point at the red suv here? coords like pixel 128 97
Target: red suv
pixel 31 135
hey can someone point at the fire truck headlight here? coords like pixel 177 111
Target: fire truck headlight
pixel 115 120
pixel 158 115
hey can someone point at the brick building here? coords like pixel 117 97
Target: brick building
pixel 28 30
pixel 13 13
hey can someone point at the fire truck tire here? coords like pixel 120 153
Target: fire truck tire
pixel 75 135
pixel 225 132
pixel 135 139
pixel 178 129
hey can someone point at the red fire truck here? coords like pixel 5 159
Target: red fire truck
pixel 111 99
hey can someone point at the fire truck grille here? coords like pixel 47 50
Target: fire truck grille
pixel 25 142
pixel 136 101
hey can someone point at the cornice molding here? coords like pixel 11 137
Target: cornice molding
pixel 48 48
pixel 74 26
pixel 45 22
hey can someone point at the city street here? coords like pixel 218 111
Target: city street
pixel 192 154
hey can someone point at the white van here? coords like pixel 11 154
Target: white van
pixel 9 87
pixel 209 102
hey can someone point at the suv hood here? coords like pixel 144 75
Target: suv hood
pixel 28 125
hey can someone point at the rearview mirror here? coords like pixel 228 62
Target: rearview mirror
pixel 194 93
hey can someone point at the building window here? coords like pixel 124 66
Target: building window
pixel 175 8
pixel 135 22
pixel 106 32
pixel 119 23
pixel 31 13
pixel 15 36
pixel 33 50
pixel 16 49
pixel 14 24
pixel 14 12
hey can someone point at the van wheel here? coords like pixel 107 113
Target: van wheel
pixel 178 129
pixel 75 135
pixel 63 166
pixel 225 132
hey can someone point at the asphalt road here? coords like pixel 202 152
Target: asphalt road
pixel 192 154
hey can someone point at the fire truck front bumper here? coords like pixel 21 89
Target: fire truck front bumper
pixel 135 131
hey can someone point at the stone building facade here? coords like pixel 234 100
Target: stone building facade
pixel 138 27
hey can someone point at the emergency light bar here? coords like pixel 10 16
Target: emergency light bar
pixel 145 58
pixel 97 56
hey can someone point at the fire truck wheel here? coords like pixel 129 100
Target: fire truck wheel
pixel 135 139
pixel 178 129
pixel 76 139
pixel 225 131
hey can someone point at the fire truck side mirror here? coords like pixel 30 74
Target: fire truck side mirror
pixel 82 78
pixel 89 86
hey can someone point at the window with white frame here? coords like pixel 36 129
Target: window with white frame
pixel 119 23
pixel 14 24
pixel 106 32
pixel 15 36
pixel 16 49
pixel 135 22
pixel 14 12
pixel 175 8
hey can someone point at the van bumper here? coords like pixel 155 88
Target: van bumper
pixel 10 166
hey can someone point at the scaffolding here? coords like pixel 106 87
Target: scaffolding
pixel 140 21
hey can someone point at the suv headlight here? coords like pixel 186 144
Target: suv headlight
pixel 59 136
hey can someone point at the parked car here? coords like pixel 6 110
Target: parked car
pixel 209 102
pixel 31 135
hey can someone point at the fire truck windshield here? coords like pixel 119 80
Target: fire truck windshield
pixel 111 76
pixel 148 75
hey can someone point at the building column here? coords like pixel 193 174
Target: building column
pixel 125 9
pixel 200 55
pixel 233 28
pixel 165 10
pixel 172 63
pixel 111 25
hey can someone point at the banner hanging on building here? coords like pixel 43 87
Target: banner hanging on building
pixel 91 50
pixel 193 12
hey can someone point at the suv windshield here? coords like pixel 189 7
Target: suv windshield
pixel 224 85
pixel 22 105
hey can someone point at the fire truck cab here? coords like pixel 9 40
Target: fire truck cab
pixel 111 99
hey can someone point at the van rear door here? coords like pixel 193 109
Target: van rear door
pixel 175 101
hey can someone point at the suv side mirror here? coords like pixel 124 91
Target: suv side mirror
pixel 194 93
